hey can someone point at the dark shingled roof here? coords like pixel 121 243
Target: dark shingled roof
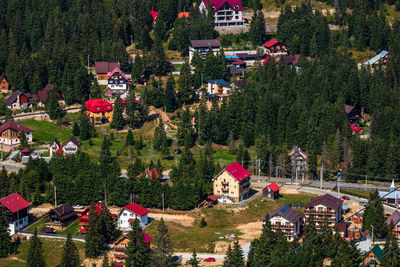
pixel 63 210
pixel 15 127
pixel 205 43
pixel 348 108
pixel 105 67
pixel 57 142
pixel 395 217
pixel 287 213
pixel 73 140
pixel 326 200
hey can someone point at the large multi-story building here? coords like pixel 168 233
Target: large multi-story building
pixel 232 184
pixel 288 220
pixel 324 208
pixel 10 135
pixel 226 12
pixel 202 47
pixel 15 208
pixel 298 162
pixel 118 83
pixel 119 255
pixel 99 111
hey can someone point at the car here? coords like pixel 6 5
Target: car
pixel 191 261
pixel 346 197
pixel 210 259
pixel 78 207
pixel 362 203
pixel 177 259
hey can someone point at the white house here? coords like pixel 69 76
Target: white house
pixel 226 12
pixel 118 82
pixel 219 88
pixel 288 220
pixel 15 208
pixel 130 213
pixel 10 134
pixel 202 46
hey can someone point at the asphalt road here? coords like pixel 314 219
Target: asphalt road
pixel 12 167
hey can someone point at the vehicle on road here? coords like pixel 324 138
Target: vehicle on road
pixel 177 259
pixel 78 207
pixel 191 261
pixel 346 197
pixel 210 259
pixel 362 203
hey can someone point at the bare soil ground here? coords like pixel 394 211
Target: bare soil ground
pixel 288 191
pixel 41 209
pixel 185 220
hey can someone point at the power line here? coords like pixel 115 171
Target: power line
pixel 327 230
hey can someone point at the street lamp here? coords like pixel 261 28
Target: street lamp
pixel 372 234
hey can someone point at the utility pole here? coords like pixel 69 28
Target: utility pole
pixel 55 196
pixel 338 183
pixel 162 195
pixel 105 194
pixel 296 177
pixel 372 234
pixel 270 165
pixel 258 165
pixel 132 40
pixel 366 181
pixel 321 171
pixel 276 174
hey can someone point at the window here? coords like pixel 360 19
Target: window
pixel 217 192
pixel 232 193
pixel 125 214
pixel 236 17
pixel 216 185
pixel 236 12
pixel 236 6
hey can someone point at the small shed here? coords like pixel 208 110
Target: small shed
pixel 271 191
pixel 25 152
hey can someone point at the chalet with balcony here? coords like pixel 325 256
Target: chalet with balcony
pixel 71 147
pixel 61 217
pixel 324 208
pixel 10 134
pixel 395 218
pixel 118 83
pixel 119 251
pixel 232 184
pixel 84 217
pixel 19 100
pixel 288 220
pixel 130 213
pixel 271 191
pixel 55 147
pixel 5 86
pixel 102 68
pixel 15 208
pixel 202 47
pixel 276 48
pixel 218 88
pixel 99 111
pixel 374 257
pixel 353 114
pixel 227 13
pixel 298 162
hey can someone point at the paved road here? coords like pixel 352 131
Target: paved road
pixel 10 166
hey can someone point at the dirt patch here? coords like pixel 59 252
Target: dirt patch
pixel 221 246
pixel 41 209
pixel 288 191
pixel 185 220
pixel 250 231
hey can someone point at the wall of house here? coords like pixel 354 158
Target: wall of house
pixel 10 137
pixel 123 219
pixel 99 115
pixel 4 85
pixel 282 221
pixel 278 49
pixel 17 225
pixel 203 51
pixel 231 188
pixel 70 149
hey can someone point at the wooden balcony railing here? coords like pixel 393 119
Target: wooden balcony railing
pixel 319 212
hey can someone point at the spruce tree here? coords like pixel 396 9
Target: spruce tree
pixel 237 255
pixel 52 106
pixel 118 121
pixel 185 84
pixel 107 225
pixel 194 260
pixel 105 262
pixel 391 249
pixel 163 252
pixel 228 260
pixel 129 141
pixel 84 125
pixel 137 248
pixel 70 256
pixel 170 102
pixel 5 239
pixel 131 110
pixel 94 245
pixel 257 33
pixel 75 129
pixel 4 183
pixel 23 140
pixel 35 252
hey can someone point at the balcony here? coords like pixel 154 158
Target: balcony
pixel 119 249
pixel 120 256
pixel 319 212
pixel 225 190
pixel 225 183
pixel 281 226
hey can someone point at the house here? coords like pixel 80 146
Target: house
pixel 393 197
pixel 271 191
pixel 15 208
pixel 227 13
pixel 55 147
pixel 291 59
pixel 250 59
pixel 395 218
pixel 353 114
pixel 10 134
pixel 342 229
pixel 150 174
pixel 25 152
pixel 71 147
pixel 218 88
pixel 202 46
pixel 374 256
pixel 377 60
pixel 183 15
pixel 43 94
pixel 19 100
pixel 324 208
pixel 84 217
pixel 154 15
pixel 119 250
pixel 275 48
pixel 61 217
pixel 5 86
pixel 118 83
pixel 130 213
pixel 232 184
pixel 99 111
pixel 102 68
pixel 298 162
pixel 288 220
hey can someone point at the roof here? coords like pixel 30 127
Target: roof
pixel 102 67
pixel 147 238
pixel 377 251
pixel 248 56
pixel 3 77
pixel 109 74
pixel 25 150
pixel 205 43
pixel 393 194
pixel 219 3
pixel 348 108
pixel 287 213
pixel 56 141
pixel 137 209
pixel 213 198
pixel 154 15
pixel 291 59
pixel 75 141
pixel 237 171
pixel 15 202
pixel 98 105
pixel 300 152
pixel 376 58
pixel 326 200
pixel 395 217
pixel 64 212
pixel 233 70
pixel 271 43
pixel 274 187
pixel 341 227
pixel 219 81
pixel 14 126
pixel 183 14
pixel 149 174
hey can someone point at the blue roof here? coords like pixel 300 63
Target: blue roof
pixel 219 81
pixel 231 57
pixel 284 208
pixel 376 58
pixel 393 195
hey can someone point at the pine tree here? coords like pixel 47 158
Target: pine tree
pixel 237 255
pixel 185 84
pixel 391 249
pixel 94 245
pixel 23 140
pixel 163 252
pixel 228 260
pixel 75 129
pixel 35 252
pixel 118 121
pixel 170 95
pixel 5 239
pixel 84 125
pixel 107 226
pixel 257 32
pixel 194 260
pixel 70 256
pixel 52 106
pixel 129 141
pixel 136 249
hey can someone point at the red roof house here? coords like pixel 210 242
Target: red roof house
pixel 98 105
pixel 154 15
pixel 149 174
pixel 274 47
pixel 130 213
pixel 15 208
pixel 271 191
pixel 237 171
pixel 217 4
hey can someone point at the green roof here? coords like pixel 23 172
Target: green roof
pixel 377 251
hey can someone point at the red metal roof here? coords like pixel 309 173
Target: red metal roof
pixel 271 43
pixel 219 3
pixel 15 127
pixel 109 74
pixel 213 198
pixel 98 105
pixel 147 238
pixel 154 14
pixel 15 202
pixel 237 171
pixel 274 187
pixel 25 150
pixel 137 209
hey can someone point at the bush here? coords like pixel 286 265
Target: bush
pixel 203 223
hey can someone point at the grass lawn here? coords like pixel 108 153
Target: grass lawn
pixel 357 193
pixel 52 251
pixel 44 131
pixel 222 220
pixel 72 229
pixel 38 225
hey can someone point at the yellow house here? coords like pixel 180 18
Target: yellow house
pixel 232 184
pixel 119 255
pixel 99 111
